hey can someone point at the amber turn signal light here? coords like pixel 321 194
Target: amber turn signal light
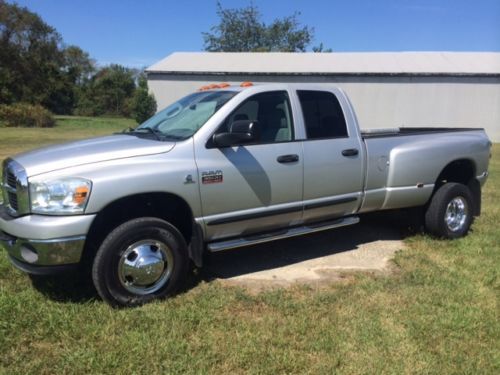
pixel 80 194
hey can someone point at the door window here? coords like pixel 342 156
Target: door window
pixel 323 116
pixel 273 112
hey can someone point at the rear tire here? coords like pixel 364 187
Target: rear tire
pixel 450 212
pixel 139 261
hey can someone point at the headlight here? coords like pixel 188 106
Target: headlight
pixel 65 196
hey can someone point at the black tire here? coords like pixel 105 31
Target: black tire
pixel 145 240
pixel 451 198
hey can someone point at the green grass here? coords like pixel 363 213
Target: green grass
pixel 14 140
pixel 438 312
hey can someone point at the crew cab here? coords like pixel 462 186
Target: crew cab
pixel 225 167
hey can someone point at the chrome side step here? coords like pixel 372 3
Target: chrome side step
pixel 278 235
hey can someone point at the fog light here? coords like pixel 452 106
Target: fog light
pixel 29 254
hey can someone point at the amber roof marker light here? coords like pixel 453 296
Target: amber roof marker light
pixel 213 86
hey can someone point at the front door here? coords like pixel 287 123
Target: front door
pixel 255 187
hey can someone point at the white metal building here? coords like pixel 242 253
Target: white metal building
pixel 390 89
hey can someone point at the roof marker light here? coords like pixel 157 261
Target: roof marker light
pixel 213 86
pixel 246 84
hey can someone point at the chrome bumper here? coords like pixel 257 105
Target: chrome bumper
pixel 53 252
pixel 43 241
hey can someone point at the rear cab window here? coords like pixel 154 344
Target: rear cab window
pixel 323 115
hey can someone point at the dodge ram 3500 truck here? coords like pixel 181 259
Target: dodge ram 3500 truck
pixel 225 167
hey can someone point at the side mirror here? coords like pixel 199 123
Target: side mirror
pixel 240 132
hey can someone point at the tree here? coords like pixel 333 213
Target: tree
pixel 321 48
pixel 144 104
pixel 78 64
pixel 29 55
pixel 242 30
pixel 108 92
pixel 35 67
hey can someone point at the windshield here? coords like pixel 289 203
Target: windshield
pixel 183 118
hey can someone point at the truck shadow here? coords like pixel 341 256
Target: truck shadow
pixel 74 287
pixel 384 226
pixel 78 288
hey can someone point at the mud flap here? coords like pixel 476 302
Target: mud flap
pixel 196 246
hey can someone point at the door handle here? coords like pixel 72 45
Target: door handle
pixel 350 152
pixel 292 158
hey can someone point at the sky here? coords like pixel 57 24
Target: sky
pixel 138 33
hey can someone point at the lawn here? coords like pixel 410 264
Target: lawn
pixel 14 140
pixel 438 312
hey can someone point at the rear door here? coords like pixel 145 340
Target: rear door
pixel 333 163
pixel 255 187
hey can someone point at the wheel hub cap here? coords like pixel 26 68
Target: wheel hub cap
pixel 144 270
pixel 456 214
pixel 145 266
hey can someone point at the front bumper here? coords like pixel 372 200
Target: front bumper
pixel 43 270
pixel 40 242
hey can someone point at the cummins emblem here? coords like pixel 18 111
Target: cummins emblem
pixel 211 177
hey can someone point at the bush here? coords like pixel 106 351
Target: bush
pixel 127 107
pixel 86 107
pixel 144 104
pixel 26 115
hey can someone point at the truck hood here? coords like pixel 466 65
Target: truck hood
pixel 89 151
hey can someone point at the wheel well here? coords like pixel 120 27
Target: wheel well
pixel 168 207
pixel 462 171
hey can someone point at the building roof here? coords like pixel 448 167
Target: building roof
pixel 356 63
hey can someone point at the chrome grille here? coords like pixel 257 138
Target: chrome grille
pixel 12 197
pixel 15 188
pixel 11 179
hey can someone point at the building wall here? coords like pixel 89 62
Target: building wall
pixel 379 102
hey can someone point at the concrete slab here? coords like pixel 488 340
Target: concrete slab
pixel 370 256
pixel 308 259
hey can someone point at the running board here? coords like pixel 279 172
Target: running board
pixel 278 235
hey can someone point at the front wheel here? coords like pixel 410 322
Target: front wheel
pixel 141 260
pixel 450 212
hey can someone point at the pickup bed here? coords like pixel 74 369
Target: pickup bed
pixel 225 167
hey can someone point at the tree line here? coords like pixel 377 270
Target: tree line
pixel 36 67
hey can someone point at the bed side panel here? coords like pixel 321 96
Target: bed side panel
pixel 401 171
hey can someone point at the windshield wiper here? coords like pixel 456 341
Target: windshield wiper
pixel 155 132
pixel 158 134
pixel 132 131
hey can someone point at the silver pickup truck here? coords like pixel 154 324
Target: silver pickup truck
pixel 222 168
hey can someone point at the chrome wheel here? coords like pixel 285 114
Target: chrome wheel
pixel 145 266
pixel 456 214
